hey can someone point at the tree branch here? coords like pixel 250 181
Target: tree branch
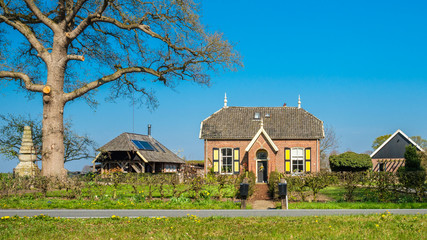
pixel 29 34
pixel 24 77
pixel 76 57
pixel 146 29
pixel 75 10
pixel 106 79
pixel 87 21
pixel 47 21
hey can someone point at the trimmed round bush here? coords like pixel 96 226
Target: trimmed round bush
pixel 350 162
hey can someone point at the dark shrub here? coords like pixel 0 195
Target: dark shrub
pixel 412 159
pixel 350 162
pixel 251 176
pixel 273 182
pixel 413 175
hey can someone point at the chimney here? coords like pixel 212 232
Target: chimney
pixel 149 129
pixel 284 104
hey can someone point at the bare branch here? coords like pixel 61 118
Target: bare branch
pixel 106 79
pixel 75 10
pixel 29 34
pixel 47 21
pixel 87 21
pixel 24 77
pixel 76 57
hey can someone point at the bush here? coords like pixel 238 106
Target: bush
pixel 351 181
pixel 252 179
pixel 350 162
pixel 273 182
pixel 412 159
pixel 318 181
pixel 413 175
pixel 384 184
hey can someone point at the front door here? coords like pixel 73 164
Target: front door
pixel 262 171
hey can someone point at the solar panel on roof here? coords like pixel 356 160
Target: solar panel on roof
pixel 137 144
pixel 147 145
pixel 143 145
pixel 158 145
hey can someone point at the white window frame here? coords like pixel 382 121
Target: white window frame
pixel 296 157
pixel 221 160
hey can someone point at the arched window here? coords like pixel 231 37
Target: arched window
pixel 261 154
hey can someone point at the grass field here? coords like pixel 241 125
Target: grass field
pixel 381 226
pixel 126 199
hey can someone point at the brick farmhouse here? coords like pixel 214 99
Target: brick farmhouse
pixel 261 140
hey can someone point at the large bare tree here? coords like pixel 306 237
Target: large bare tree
pixel 69 48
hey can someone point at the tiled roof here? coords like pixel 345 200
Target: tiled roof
pixel 123 143
pixel 281 123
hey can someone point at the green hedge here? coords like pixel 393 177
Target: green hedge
pixel 350 162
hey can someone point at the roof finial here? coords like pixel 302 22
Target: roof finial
pixel 299 101
pixel 225 101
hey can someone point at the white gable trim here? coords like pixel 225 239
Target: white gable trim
pixel 392 136
pixel 270 141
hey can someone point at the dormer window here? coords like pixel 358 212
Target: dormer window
pixel 257 115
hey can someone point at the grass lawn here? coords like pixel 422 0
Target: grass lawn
pixel 383 226
pixel 174 203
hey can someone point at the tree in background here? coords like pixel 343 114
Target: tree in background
pixel 76 147
pixel 350 161
pixel 70 49
pixel 381 139
pixel 328 145
pixel 420 141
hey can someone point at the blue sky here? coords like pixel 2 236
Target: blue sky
pixel 360 66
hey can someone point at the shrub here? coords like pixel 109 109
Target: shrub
pixel 384 184
pixel 318 181
pixel 252 178
pixel 412 175
pixel 350 162
pixel 273 182
pixel 351 181
pixel 412 159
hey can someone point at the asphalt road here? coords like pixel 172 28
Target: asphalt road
pixel 82 213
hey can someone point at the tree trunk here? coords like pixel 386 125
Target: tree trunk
pixel 53 118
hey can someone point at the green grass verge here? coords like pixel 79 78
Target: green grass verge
pixel 355 205
pixel 382 226
pixel 174 203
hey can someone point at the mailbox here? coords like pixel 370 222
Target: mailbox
pixel 283 189
pixel 244 190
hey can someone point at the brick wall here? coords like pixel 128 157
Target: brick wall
pixel 276 160
pixel 391 164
